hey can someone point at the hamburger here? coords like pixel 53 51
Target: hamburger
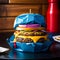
pixel 30 33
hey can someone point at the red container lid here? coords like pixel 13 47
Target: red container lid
pixel 52 0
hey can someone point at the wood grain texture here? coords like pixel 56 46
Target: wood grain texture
pixel 15 10
pixel 7 22
pixel 44 9
pixel 28 1
pixel 3 10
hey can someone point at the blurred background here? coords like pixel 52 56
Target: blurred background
pixel 9 9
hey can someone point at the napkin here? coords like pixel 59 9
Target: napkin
pixel 3 49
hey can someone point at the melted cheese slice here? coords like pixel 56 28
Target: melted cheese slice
pixel 34 38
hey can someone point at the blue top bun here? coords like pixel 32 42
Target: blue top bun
pixel 27 18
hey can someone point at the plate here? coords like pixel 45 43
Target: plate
pixel 3 49
pixel 56 38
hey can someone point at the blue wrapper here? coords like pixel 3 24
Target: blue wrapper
pixel 30 47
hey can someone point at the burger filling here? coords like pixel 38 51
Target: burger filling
pixel 30 36
pixel 30 33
